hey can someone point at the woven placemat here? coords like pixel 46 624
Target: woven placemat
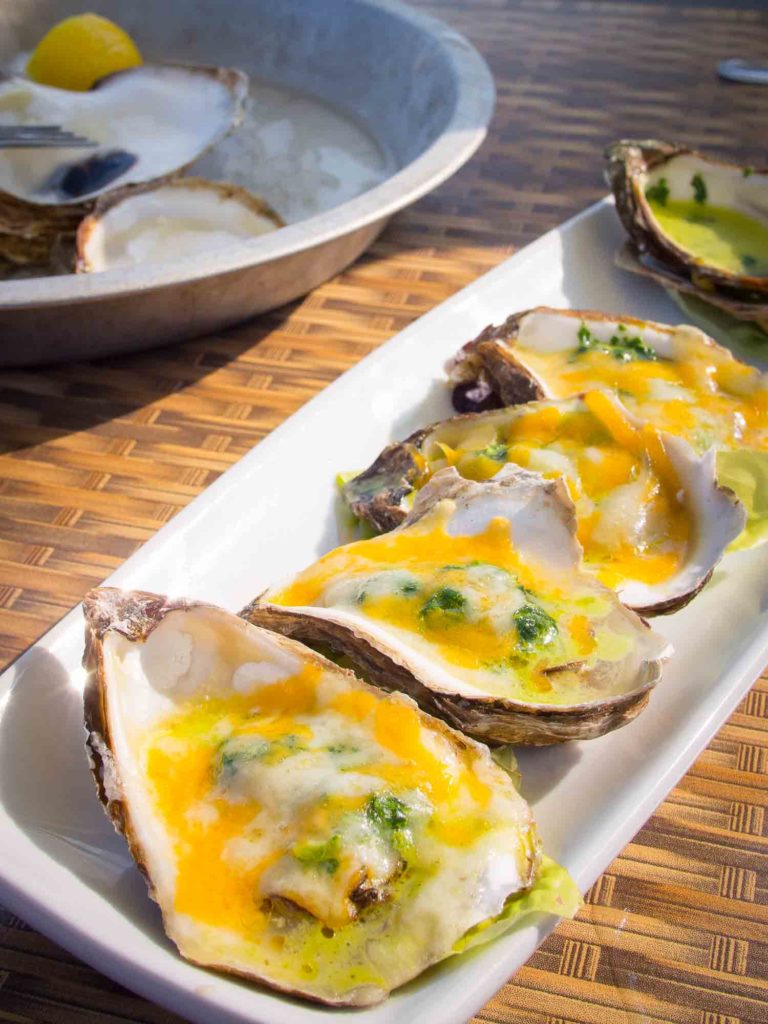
pixel 96 457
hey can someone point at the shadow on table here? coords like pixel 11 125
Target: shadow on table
pixel 41 403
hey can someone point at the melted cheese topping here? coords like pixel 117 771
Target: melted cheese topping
pixel 632 520
pixel 475 605
pixel 312 824
pixel 698 391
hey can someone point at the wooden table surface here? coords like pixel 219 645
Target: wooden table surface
pixel 97 456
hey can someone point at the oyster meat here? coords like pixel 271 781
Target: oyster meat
pixel 696 225
pixel 297 826
pixel 169 221
pixel 651 519
pixel 479 608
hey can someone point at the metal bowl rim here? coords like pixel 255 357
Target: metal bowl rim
pixel 461 136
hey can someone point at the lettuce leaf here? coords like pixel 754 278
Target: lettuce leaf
pixel 504 757
pixel 553 892
pixel 349 526
pixel 746 473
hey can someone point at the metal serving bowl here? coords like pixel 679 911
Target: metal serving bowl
pixel 419 88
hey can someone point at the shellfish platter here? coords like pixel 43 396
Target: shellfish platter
pixel 241 544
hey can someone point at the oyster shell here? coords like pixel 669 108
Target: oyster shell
pixel 28 233
pixel 169 221
pixel 150 122
pixel 677 378
pixel 631 259
pixel 478 607
pixel 696 224
pixel 651 519
pixel 296 826
pixel 674 377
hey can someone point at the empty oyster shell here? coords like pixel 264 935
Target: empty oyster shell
pixel 149 122
pixel 696 224
pixel 169 221
pixel 651 519
pixel 478 607
pixel 296 826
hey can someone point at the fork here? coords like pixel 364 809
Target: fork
pixel 42 136
pixel 736 70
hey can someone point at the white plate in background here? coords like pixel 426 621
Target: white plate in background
pixel 64 870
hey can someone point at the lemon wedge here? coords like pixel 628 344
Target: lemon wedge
pixel 78 51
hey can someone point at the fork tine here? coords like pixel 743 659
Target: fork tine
pixel 41 136
pixel 33 131
pixel 41 144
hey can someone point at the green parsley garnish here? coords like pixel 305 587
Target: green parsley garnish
pixel 386 812
pixel 237 751
pixel 469 565
pixel 390 817
pixel 534 627
pixel 747 172
pixel 321 856
pixel 658 193
pixel 342 748
pixel 446 600
pixel 748 262
pixel 699 189
pixel 496 451
pixel 621 345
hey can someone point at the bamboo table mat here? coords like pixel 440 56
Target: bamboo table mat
pixel 97 456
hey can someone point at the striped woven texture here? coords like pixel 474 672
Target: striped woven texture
pixel 94 458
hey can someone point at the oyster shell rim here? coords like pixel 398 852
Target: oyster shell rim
pixel 109 200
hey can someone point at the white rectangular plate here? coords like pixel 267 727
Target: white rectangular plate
pixel 64 870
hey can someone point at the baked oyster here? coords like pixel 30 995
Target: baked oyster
pixel 696 225
pixel 676 378
pixel 477 605
pixel 650 517
pixel 168 222
pixel 296 826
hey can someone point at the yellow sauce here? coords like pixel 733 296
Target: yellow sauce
pixel 412 549
pixel 701 394
pixel 715 236
pixel 181 757
pixel 480 638
pixel 605 452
